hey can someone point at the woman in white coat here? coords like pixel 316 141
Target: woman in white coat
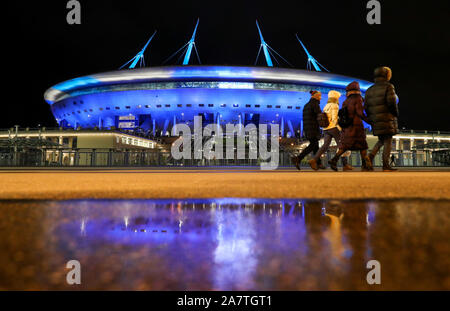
pixel 331 131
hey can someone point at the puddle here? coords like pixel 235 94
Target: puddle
pixel 225 244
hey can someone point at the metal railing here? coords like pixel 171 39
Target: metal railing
pixel 159 158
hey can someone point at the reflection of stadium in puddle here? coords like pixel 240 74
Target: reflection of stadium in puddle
pixel 239 243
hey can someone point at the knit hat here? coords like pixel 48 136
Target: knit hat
pixel 315 94
pixel 353 88
pixel 334 94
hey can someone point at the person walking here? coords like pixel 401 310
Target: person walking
pixel 331 131
pixel 392 160
pixel 311 128
pixel 353 137
pixel 381 107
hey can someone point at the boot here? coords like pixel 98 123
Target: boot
pixel 333 164
pixel 313 164
pixel 347 167
pixel 296 162
pixel 389 168
pixel 367 165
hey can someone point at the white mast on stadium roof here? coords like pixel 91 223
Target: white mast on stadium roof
pixel 188 46
pixel 311 59
pixel 139 56
pixel 267 49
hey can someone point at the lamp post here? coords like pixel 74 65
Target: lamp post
pixel 15 143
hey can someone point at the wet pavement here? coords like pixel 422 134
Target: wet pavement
pixel 225 244
pixel 219 183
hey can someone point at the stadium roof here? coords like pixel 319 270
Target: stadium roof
pixel 203 73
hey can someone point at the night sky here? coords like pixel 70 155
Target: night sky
pixel 412 39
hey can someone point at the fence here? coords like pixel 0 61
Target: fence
pixel 158 158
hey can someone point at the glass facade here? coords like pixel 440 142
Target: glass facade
pixel 199 84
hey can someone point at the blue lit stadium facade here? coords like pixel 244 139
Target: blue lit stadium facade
pixel 156 98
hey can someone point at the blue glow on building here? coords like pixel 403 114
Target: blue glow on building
pixel 76 83
pixel 159 97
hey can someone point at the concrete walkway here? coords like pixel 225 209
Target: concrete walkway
pixel 216 183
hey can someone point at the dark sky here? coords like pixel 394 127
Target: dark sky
pixel 412 39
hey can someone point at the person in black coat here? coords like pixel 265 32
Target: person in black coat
pixel 311 128
pixel 382 110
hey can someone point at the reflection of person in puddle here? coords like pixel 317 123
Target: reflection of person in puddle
pixel 314 216
pixel 388 241
pixel 354 225
pixel 315 223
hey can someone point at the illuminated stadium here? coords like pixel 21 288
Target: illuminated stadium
pixel 155 98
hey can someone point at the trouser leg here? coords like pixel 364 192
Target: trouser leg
pixel 387 142
pixel 363 154
pixel 338 155
pixel 333 162
pixel 337 138
pixel 363 158
pixel 312 147
pixel 326 144
pixel 315 149
pixel 366 163
pixel 377 146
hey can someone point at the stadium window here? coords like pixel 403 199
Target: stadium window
pixel 85 110
pixel 101 109
pixel 223 105
pixel 81 102
pixel 269 106
pixel 257 106
pixel 107 108
pixel 201 105
pixel 179 105
pixel 127 107
pixel 79 111
pixel 235 105
pixel 117 108
pixel 248 106
pixel 167 105
pixel 189 105
pixel 277 106
pixel 289 107
pixel 158 106
pixel 210 105
pixel 74 103
pixel 147 106
pixel 297 107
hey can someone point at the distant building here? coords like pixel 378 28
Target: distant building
pixel 59 147
pixel 68 147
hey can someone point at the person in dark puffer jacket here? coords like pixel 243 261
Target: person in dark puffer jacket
pixel 311 128
pixel 382 110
